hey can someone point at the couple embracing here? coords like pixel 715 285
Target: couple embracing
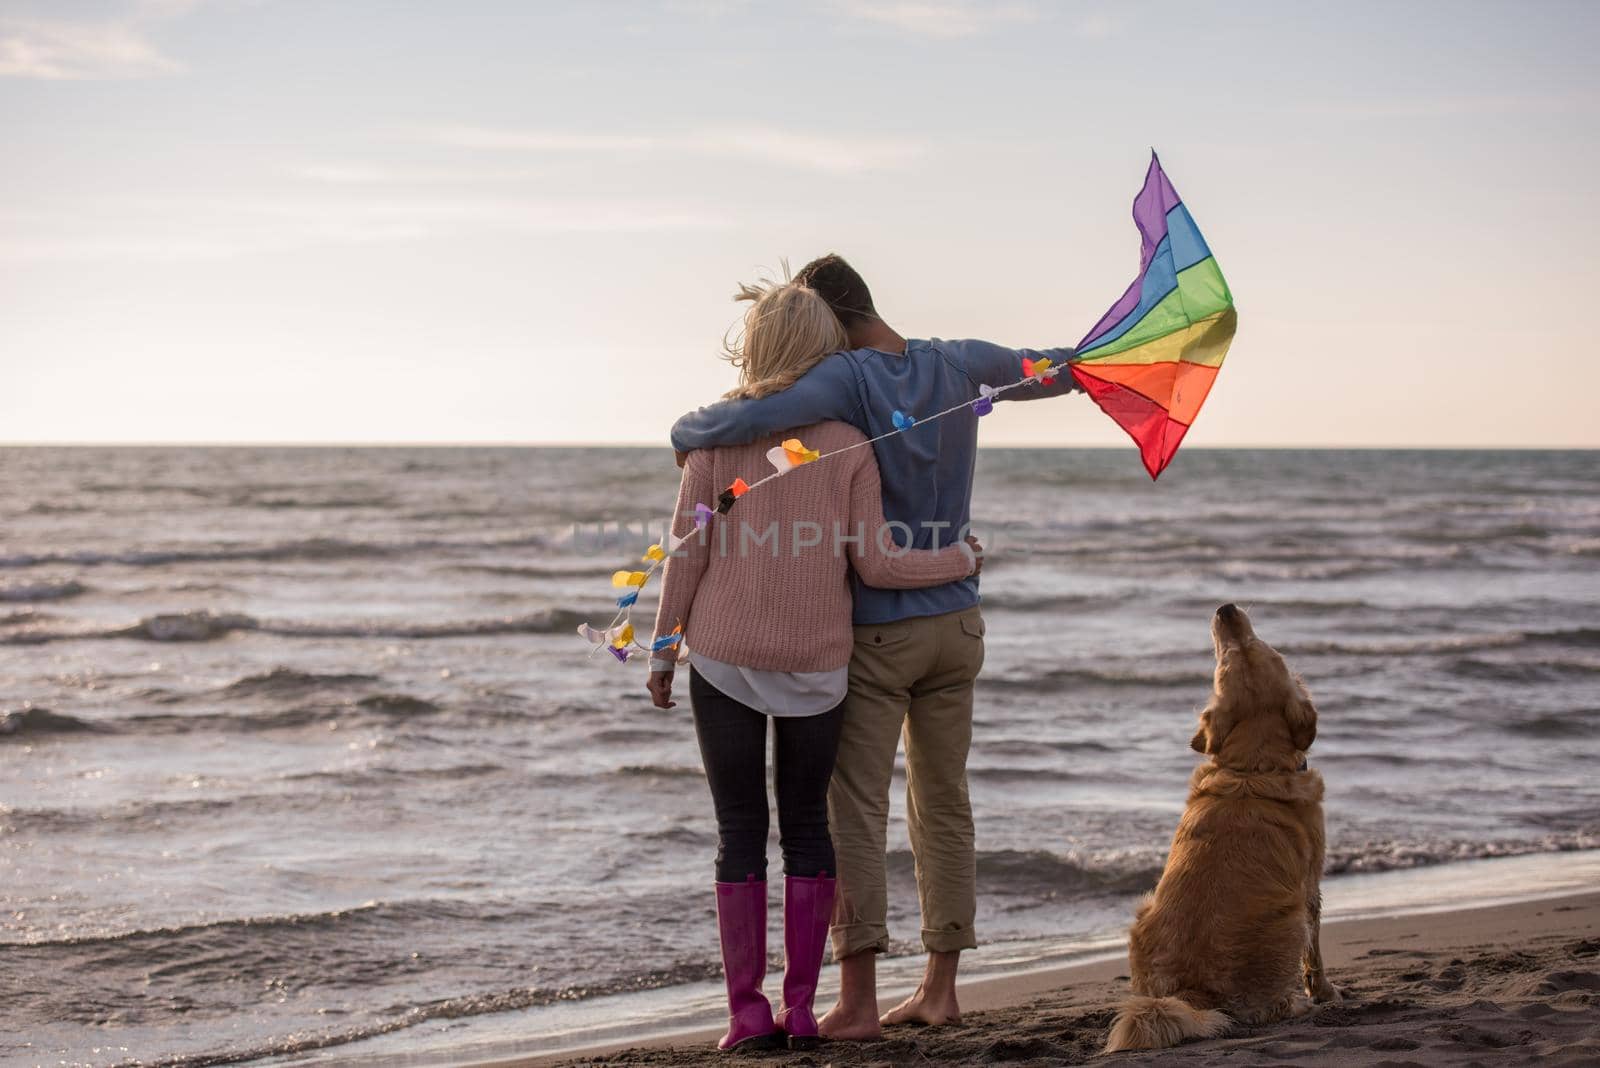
pixel 841 606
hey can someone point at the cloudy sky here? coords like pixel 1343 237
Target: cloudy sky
pixel 485 220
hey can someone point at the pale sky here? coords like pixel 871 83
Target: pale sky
pixel 290 220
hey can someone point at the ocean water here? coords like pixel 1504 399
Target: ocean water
pixel 299 752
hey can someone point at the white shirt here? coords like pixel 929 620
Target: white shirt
pixel 776 693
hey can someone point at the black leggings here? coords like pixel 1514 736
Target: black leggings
pixel 733 744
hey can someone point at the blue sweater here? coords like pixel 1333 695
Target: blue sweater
pixel 927 471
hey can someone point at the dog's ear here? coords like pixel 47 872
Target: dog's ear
pixel 1301 715
pixel 1215 723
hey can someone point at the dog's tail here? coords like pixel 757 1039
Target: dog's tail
pixel 1155 1023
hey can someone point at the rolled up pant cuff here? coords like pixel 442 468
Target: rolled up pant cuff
pixel 852 938
pixel 949 941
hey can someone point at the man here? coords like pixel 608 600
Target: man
pixel 917 652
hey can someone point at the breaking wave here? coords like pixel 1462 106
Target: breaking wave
pixel 376 707
pixel 387 776
pixel 203 626
pixel 287 682
pixel 1399 646
pixel 1059 680
pixel 1583 637
pixel 1393 856
pixel 43 591
pixel 659 771
pixel 1045 875
pixel 1522 672
pixel 1574 724
pixel 303 549
pixel 1023 602
pixel 32 722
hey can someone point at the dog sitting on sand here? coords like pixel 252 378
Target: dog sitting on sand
pixel 1231 933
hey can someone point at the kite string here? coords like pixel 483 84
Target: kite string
pixel 995 392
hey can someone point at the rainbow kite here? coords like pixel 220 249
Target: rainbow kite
pixel 1150 361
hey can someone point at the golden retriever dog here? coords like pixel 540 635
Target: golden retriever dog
pixel 1231 933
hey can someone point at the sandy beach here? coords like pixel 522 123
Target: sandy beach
pixel 1505 984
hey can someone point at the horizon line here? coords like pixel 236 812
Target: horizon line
pixel 503 444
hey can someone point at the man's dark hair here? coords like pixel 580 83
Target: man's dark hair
pixel 836 282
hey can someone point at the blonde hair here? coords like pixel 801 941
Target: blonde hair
pixel 788 330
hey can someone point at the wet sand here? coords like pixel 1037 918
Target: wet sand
pixel 1505 984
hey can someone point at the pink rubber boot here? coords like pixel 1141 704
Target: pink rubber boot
pixel 807 908
pixel 742 924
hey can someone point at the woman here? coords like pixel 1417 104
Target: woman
pixel 763 597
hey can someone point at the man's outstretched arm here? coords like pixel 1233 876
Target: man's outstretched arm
pixel 827 391
pixel 996 365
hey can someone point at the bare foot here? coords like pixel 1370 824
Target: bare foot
pixel 845 1023
pixel 924 1008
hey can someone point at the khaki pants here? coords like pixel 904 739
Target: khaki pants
pixel 914 676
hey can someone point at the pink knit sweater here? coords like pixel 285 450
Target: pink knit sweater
pixel 767 586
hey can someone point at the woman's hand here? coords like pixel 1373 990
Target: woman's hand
pixel 977 551
pixel 660 687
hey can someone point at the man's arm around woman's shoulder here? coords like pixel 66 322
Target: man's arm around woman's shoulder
pixel 827 391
